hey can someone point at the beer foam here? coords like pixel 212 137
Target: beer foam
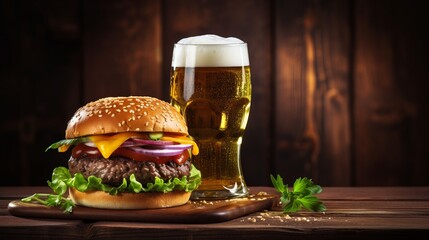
pixel 209 39
pixel 210 51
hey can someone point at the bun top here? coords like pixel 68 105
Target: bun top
pixel 125 114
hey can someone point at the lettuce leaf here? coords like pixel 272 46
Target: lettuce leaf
pixel 67 142
pixel 62 180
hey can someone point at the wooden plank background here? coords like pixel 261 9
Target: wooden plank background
pixel 338 90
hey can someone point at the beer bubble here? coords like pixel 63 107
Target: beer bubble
pixel 210 51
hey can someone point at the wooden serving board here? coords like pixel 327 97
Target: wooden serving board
pixel 191 212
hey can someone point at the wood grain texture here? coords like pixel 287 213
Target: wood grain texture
pixel 338 86
pixel 122 49
pixel 293 150
pixel 312 98
pixel 388 112
pixel 353 213
pixel 191 212
pixel 332 56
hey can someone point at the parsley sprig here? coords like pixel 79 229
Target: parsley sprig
pixel 51 200
pixel 301 196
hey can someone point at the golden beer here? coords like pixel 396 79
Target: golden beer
pixel 215 101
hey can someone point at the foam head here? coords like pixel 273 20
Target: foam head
pixel 210 51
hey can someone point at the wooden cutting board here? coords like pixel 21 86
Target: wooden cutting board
pixel 192 212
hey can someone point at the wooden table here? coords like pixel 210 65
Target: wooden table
pixel 353 213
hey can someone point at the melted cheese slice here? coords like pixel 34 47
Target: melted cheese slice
pixel 108 144
pixel 63 148
pixel 183 140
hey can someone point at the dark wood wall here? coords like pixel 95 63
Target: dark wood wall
pixel 338 86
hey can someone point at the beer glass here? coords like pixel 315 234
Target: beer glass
pixel 210 85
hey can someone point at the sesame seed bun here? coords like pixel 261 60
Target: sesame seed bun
pixel 125 114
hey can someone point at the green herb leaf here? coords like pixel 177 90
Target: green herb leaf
pixel 69 142
pixel 301 196
pixel 51 200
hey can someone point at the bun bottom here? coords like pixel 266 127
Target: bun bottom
pixel 147 200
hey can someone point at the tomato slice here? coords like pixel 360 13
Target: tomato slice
pixel 84 150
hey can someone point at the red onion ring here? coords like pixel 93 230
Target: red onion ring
pixel 174 146
pixel 152 148
pixel 157 152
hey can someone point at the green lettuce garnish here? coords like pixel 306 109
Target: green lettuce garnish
pixel 62 180
pixel 67 142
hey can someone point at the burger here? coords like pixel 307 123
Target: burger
pixel 127 153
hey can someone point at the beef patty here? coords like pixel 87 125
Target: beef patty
pixel 112 171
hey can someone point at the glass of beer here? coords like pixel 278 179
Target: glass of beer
pixel 210 85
